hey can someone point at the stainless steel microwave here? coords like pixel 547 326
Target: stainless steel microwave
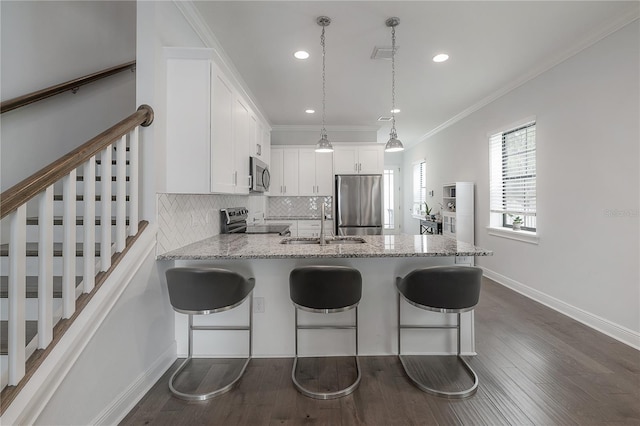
pixel 260 177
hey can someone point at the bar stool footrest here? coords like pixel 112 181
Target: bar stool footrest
pixel 203 396
pixel 437 392
pixel 326 395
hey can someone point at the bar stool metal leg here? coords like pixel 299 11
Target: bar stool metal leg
pixel 421 385
pixel 325 395
pixel 229 386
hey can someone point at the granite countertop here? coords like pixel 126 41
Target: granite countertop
pixel 267 246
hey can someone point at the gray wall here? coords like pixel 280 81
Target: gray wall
pixel 587 109
pixel 46 43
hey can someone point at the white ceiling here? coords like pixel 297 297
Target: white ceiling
pixel 493 47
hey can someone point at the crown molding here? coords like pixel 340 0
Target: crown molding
pixel 203 31
pixel 315 127
pixel 589 41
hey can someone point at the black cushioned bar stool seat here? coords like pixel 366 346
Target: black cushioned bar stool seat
pixel 446 289
pixel 202 291
pixel 325 289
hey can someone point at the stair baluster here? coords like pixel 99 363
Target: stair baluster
pixel 121 193
pixel 45 270
pixel 17 290
pixel 69 245
pixel 89 225
pixel 105 218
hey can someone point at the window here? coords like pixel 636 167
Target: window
pixel 419 188
pixel 513 177
pixel 389 203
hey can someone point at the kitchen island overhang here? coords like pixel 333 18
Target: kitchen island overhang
pixel 380 260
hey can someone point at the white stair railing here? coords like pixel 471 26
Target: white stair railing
pixel 41 185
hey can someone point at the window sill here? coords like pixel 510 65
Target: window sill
pixel 524 236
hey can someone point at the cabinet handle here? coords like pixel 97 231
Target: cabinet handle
pixel 359 167
pixel 285 189
pixel 355 167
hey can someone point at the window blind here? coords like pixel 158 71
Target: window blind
pixel 513 173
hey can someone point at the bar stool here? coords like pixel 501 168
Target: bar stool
pixel 326 290
pixel 445 289
pixel 203 291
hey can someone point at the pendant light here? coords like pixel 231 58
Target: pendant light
pixel 394 144
pixel 323 144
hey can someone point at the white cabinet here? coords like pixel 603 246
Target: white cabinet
pixel 315 172
pixel 211 130
pixel 188 139
pixel 261 148
pixel 284 172
pixel 358 159
pixel 458 211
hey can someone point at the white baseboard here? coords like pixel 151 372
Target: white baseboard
pixel 611 329
pixel 124 403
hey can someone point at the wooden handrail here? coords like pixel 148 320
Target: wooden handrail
pixel 29 98
pixel 22 192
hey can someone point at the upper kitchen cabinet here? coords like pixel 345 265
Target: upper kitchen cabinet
pixel 284 172
pixel 315 172
pixel 211 129
pixel 188 130
pixel 262 145
pixel 358 159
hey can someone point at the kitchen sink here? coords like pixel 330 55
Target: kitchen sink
pixel 329 241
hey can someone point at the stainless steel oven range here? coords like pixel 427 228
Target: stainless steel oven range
pixel 233 220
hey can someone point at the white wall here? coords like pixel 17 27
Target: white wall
pixel 587 112
pixel 46 43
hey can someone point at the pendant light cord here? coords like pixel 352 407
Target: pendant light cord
pixel 393 80
pixel 322 43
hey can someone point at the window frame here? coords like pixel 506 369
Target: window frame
pixel 501 222
pixel 417 205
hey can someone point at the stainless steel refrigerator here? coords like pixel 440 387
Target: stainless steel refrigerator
pixel 358 205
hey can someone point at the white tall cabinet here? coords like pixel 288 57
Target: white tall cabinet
pixel 458 211
pixel 211 129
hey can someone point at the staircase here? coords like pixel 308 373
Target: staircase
pixel 64 230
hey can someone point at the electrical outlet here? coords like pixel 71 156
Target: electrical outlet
pixel 258 305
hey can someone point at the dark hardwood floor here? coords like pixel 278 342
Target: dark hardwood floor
pixel 535 367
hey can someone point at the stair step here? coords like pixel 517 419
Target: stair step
pixel 32 287
pixel 32 250
pixel 59 197
pixel 98 178
pixel 31 329
pixel 58 220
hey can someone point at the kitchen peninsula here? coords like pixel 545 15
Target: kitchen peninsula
pixel 379 259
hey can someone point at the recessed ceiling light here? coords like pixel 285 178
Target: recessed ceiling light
pixel 301 54
pixel 441 57
pixel 309 111
pixel 395 111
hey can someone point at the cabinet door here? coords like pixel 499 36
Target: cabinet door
pixel 266 143
pixel 371 160
pixel 276 170
pixel 324 174
pixel 345 160
pixel 222 146
pixel 188 138
pixel 307 171
pixel 290 172
pixel 241 145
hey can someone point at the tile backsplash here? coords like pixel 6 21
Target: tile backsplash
pixel 186 218
pixel 297 206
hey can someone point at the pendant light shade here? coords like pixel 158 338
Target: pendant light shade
pixel 394 144
pixel 323 144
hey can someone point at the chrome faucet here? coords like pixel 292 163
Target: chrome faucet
pixel 322 217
